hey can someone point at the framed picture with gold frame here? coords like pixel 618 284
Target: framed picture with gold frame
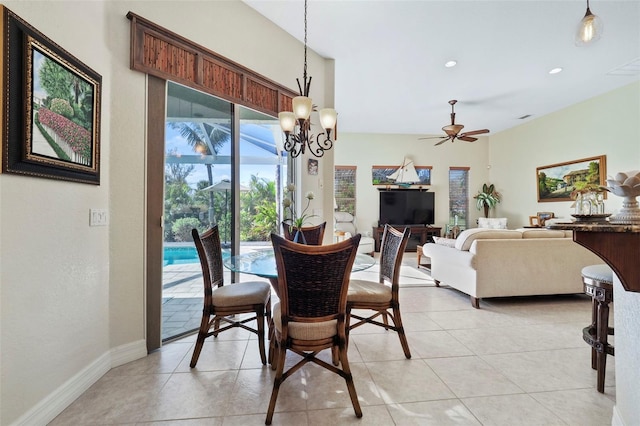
pixel 556 182
pixel 543 217
pixel 533 221
pixel 51 114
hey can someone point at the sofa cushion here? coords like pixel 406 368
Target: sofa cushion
pixel 542 233
pixel 492 223
pixel 449 242
pixel 468 236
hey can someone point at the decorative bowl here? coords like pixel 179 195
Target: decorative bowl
pixel 626 185
pixel 591 218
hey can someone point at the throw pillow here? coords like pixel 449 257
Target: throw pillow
pixel 492 223
pixel 449 242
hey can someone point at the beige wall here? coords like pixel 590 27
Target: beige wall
pixel 607 124
pixel 72 296
pixel 366 150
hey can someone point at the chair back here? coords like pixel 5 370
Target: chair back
pixel 392 249
pixel 210 254
pixel 313 235
pixel 313 280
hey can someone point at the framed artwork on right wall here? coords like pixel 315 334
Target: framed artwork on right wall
pixel 556 182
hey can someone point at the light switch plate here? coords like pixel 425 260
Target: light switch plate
pixel 98 217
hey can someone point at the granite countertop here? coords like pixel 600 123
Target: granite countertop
pixel 595 227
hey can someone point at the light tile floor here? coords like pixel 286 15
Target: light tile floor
pixel 515 361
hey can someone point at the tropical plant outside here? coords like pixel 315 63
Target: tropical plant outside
pixel 186 207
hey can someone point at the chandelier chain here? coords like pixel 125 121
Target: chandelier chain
pixel 304 73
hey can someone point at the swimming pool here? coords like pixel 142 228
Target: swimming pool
pixel 178 255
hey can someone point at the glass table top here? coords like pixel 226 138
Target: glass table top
pixel 263 263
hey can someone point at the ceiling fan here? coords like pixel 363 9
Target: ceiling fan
pixel 453 130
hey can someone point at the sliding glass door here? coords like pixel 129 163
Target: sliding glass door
pixel 213 176
pixel 262 171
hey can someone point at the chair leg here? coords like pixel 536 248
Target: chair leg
pixel 342 350
pixel 202 334
pixel 216 326
pixel 594 316
pixel 397 319
pixel 260 321
pixel 335 355
pixel 602 337
pixel 347 321
pixel 385 320
pixel 280 357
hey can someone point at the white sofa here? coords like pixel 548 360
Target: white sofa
pixel 500 262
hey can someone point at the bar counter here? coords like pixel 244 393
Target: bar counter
pixel 618 245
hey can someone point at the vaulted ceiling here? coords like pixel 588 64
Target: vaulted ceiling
pixel 389 58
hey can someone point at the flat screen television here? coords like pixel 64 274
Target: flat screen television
pixel 406 207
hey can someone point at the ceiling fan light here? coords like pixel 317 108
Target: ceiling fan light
pixel 287 121
pixel 302 106
pixel 589 29
pixel 453 129
pixel 328 117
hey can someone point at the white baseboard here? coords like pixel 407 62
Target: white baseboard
pixel 52 405
pixel 616 420
pixel 127 353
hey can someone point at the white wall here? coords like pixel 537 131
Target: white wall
pixel 72 297
pixel 366 150
pixel 607 124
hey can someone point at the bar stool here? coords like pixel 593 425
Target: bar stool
pixel 598 283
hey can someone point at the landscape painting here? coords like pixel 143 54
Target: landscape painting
pixel 557 182
pixel 62 106
pixel 52 113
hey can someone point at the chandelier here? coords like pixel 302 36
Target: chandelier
pixel 589 29
pixel 296 125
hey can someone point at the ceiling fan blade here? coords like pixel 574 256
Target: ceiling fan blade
pixel 475 132
pixel 432 137
pixel 467 139
pixel 442 141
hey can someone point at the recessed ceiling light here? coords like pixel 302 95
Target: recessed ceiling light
pixel 555 70
pixel 450 64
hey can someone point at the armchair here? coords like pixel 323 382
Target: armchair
pixel 345 222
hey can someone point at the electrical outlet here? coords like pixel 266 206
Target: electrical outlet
pixel 98 217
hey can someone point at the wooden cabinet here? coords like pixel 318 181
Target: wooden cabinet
pixel 419 235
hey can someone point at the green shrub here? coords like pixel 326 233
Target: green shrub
pixel 62 107
pixel 182 228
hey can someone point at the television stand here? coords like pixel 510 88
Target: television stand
pixel 420 234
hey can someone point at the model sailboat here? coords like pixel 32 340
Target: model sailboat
pixel 406 174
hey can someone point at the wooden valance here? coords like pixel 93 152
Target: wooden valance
pixel 164 54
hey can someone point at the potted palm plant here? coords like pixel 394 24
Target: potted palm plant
pixel 487 198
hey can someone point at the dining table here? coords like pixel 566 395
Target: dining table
pixel 262 263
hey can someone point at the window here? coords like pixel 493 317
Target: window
pixel 458 196
pixel 344 187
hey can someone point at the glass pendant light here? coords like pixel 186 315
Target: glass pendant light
pixel 589 29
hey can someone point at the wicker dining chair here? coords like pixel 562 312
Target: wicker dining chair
pixel 222 301
pixel 311 313
pixel 378 296
pixel 312 235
